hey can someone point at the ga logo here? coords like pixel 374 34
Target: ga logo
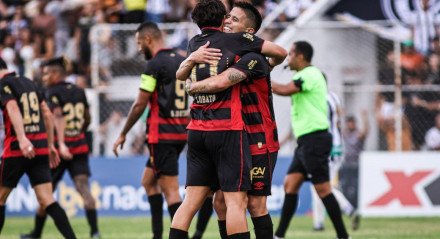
pixel 258 172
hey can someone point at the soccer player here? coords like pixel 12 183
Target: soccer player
pixel 310 125
pixel 218 149
pixel 258 114
pixel 167 120
pixel 70 109
pixel 336 158
pixel 28 146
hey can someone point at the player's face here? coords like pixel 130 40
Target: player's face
pixel 236 21
pixel 141 41
pixel 48 76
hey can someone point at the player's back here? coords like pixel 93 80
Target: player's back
pixel 73 102
pixel 28 97
pixel 168 116
pixel 219 111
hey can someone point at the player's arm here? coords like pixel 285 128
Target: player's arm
pixel 286 89
pixel 54 159
pixel 216 83
pixel 26 147
pixel 148 85
pixel 87 119
pixel 276 53
pixel 60 126
pixel 202 55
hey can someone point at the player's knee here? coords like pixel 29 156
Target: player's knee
pixel 45 200
pixel 237 202
pixel 219 206
pixel 257 206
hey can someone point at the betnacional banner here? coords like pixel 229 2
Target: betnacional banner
pixel 115 184
pixel 400 184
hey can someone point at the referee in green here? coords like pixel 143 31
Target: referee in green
pixel 308 92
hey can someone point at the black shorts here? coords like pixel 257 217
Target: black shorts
pixel 79 165
pixel 261 173
pixel 219 159
pixel 311 156
pixel 12 169
pixel 164 159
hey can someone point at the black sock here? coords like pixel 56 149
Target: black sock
pixel 39 224
pixel 178 234
pixel 60 219
pixel 287 212
pixel 263 226
pixel 2 216
pixel 243 235
pixel 222 229
pixel 203 218
pixel 92 219
pixel 156 204
pixel 173 208
pixel 334 212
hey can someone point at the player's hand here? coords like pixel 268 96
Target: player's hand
pixel 54 158
pixel 64 152
pixel 119 142
pixel 188 83
pixel 206 55
pixel 26 148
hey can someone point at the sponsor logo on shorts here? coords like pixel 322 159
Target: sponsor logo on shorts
pixel 258 172
pixel 258 186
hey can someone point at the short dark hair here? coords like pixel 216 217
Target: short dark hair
pixel 209 13
pixel 252 13
pixel 304 48
pixel 151 28
pixel 350 118
pixel 3 65
pixel 58 63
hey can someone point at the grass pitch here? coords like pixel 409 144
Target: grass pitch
pixel 300 227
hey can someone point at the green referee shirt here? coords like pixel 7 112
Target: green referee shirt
pixel 309 106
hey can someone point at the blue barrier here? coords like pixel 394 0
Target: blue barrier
pixel 115 183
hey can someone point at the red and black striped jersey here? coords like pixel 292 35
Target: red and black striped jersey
pixel 257 101
pixel 73 102
pixel 220 111
pixel 28 97
pixel 168 116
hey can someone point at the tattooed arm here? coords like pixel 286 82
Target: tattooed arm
pixel 216 83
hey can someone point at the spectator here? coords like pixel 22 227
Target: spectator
pixel 44 26
pixel 410 59
pixel 354 140
pixel 433 74
pixel 135 11
pixel 423 27
pixel 157 10
pixel 432 137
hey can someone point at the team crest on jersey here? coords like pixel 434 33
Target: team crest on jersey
pixel 7 90
pixel 55 100
pixel 249 36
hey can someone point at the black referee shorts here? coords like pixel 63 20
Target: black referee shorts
pixel 311 157
pixel 219 159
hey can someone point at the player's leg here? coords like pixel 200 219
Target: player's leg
pixel 200 179
pixel 166 169
pixel 292 184
pixel 220 209
pixel 194 198
pixel 317 151
pixel 40 215
pixel 318 211
pixel 155 199
pixel 4 193
pixel 204 215
pixel 40 178
pixel 79 171
pixel 262 170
